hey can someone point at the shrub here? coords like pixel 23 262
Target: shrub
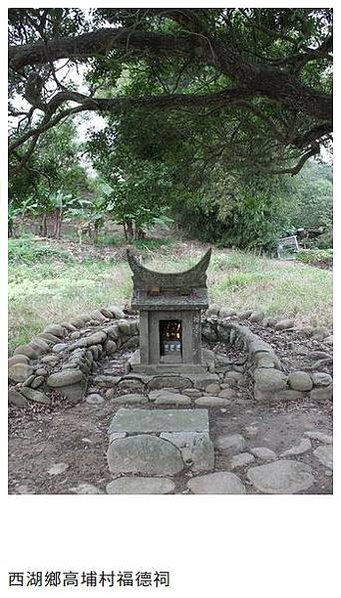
pixel 26 250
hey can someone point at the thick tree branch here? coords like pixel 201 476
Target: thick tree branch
pixel 266 81
pixel 100 42
pixel 170 101
pixel 293 170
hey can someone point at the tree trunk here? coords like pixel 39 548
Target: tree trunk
pixel 43 226
pixel 129 230
pixel 139 233
pixel 58 222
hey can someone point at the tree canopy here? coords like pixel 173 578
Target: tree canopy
pixel 249 86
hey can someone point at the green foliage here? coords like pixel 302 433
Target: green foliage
pixel 309 256
pixel 27 251
pixel 312 203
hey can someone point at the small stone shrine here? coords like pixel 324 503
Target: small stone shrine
pixel 170 306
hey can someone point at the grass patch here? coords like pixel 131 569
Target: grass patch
pixel 53 287
pixel 279 288
pixel 45 292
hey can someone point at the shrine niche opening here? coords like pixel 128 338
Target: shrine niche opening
pixel 170 341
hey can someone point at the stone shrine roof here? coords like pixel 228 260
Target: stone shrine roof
pixel 172 290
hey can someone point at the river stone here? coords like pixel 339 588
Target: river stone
pixel 144 454
pixel 19 372
pixel 257 316
pixel 17 359
pixel 124 327
pixel 128 399
pixel 320 333
pixel 320 436
pixel 113 332
pixel 158 382
pixel 233 375
pixel 140 485
pixel 241 460
pixel 28 350
pixel 300 381
pixel 194 393
pixel 75 335
pixel 110 347
pixel 85 488
pixel 220 482
pixel 55 329
pixel 64 378
pixel 50 338
pixel 319 355
pixel 169 398
pixel 50 359
pixel 35 395
pixel 29 380
pixel 209 401
pixel 74 392
pixel 325 455
pixel 17 399
pixel 321 394
pixel 231 443
pixel 40 343
pixel 269 322
pixel 281 477
pixel 284 324
pixel 107 380
pixel 97 315
pixel 57 468
pixel 96 338
pixel 213 389
pixel 116 311
pixel 298 449
pixel 94 399
pixel 130 384
pixel 161 420
pixel 79 322
pixel 68 326
pixel 38 381
pixel 202 381
pixel 106 313
pixel 196 448
pixel 244 315
pixel 321 379
pixel 227 312
pixel 59 347
pixel 269 380
pixel 131 343
pixel 264 453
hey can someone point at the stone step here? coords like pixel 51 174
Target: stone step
pixel 159 442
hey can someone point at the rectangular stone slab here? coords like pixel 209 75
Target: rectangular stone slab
pixel 160 420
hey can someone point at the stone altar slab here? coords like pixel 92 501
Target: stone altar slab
pixel 145 421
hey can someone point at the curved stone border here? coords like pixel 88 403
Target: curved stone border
pixel 278 323
pixel 62 357
pixel 270 383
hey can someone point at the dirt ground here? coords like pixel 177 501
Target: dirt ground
pixel 77 435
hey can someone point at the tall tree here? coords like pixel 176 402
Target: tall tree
pixel 265 73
